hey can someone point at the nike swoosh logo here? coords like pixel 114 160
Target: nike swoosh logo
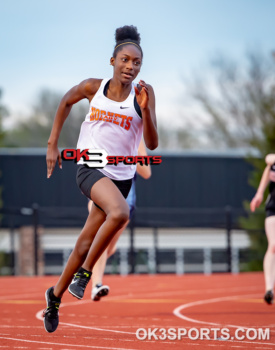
pixel 123 107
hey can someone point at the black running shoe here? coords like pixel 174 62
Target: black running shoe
pixel 268 297
pixel 79 283
pixel 50 314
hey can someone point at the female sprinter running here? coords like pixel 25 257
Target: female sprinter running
pixel 119 113
pixel 98 288
pixel 268 177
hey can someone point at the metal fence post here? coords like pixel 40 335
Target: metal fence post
pixel 123 263
pixel 35 236
pixel 207 261
pixel 151 260
pixel 12 245
pixel 65 256
pixel 179 261
pixel 155 233
pixel 228 215
pixel 132 249
pixel 235 260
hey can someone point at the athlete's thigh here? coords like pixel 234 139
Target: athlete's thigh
pixel 106 195
pixel 270 228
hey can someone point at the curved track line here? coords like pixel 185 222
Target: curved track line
pixel 95 328
pixel 177 311
pixel 61 344
pixel 39 316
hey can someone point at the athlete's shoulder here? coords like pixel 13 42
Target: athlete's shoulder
pixel 90 86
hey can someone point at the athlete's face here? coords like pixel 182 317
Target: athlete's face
pixel 127 63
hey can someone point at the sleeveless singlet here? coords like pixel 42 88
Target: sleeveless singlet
pixel 272 184
pixel 115 127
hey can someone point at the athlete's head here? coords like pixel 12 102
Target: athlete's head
pixel 127 55
pixel 127 35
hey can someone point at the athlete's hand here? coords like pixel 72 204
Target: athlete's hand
pixel 142 96
pixel 53 155
pixel 270 159
pixel 256 202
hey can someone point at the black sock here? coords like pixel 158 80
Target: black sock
pixel 83 270
pixel 52 296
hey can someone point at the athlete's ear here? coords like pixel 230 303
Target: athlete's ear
pixel 112 61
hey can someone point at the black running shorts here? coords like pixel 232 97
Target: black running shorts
pixel 86 177
pixel 270 207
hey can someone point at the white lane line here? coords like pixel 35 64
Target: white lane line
pixel 60 344
pixel 39 316
pixel 177 311
pixel 95 328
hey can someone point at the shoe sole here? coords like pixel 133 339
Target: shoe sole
pixel 268 301
pixel 268 298
pixel 74 295
pixel 46 297
pixel 101 293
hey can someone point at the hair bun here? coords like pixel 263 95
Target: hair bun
pixel 126 33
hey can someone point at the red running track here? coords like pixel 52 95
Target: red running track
pixel 188 303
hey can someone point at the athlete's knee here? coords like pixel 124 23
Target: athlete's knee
pixel 271 247
pixel 111 251
pixel 119 216
pixel 82 247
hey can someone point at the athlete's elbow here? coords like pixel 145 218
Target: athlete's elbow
pixel 152 145
pixel 64 104
pixel 67 101
pixel 146 177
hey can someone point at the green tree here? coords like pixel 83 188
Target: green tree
pixel 238 103
pixel 171 139
pixel 3 114
pixel 239 112
pixel 34 130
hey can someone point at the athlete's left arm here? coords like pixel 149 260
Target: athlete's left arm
pixel 146 100
pixel 142 169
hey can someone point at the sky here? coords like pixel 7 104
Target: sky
pixel 56 44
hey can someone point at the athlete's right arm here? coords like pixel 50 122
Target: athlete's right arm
pixel 258 198
pixel 86 89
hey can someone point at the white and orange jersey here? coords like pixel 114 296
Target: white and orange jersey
pixel 115 127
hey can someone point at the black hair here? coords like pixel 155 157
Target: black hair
pixel 126 34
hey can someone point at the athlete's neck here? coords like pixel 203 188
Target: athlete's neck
pixel 117 91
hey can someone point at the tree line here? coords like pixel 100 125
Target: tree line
pixel 234 109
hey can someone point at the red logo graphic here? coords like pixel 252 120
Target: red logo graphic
pixel 98 158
